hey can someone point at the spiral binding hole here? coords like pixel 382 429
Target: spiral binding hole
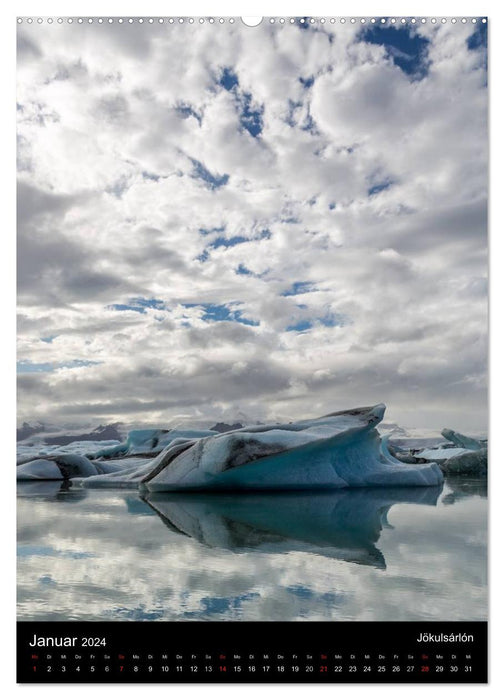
pixel 303 21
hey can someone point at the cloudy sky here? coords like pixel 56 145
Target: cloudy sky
pixel 218 221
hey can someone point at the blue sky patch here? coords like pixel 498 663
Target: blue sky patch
pixel 228 79
pixel 208 231
pixel 186 111
pixel 300 326
pixel 251 119
pixel 310 125
pixel 222 242
pixel 214 182
pixel 48 338
pixel 291 118
pixel 27 367
pixel 126 307
pixel 298 288
pixel 203 257
pixel 329 320
pixel 139 304
pixel 242 270
pixel 307 82
pixel 231 241
pixel 478 41
pixel 221 312
pixel 148 303
pixel 479 38
pixel 379 187
pixel 408 50
pixel 36 550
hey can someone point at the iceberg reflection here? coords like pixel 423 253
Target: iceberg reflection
pixel 49 490
pixel 463 487
pixel 344 524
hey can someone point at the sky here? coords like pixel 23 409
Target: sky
pixel 220 222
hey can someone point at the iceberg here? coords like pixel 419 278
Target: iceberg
pixel 149 442
pixel 473 462
pixel 441 454
pixel 460 440
pixel 61 467
pixel 340 450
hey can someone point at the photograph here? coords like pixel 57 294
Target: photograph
pixel 252 319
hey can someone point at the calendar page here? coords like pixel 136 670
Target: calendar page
pixel 252 349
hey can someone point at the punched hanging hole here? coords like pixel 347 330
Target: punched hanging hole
pixel 252 21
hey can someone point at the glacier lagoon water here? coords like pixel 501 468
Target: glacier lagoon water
pixel 352 554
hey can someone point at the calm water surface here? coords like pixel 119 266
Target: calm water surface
pixel 360 554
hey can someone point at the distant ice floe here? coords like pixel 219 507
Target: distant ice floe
pixel 340 450
pixel 461 455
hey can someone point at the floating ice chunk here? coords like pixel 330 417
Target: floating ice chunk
pixel 440 455
pixel 149 441
pixel 39 469
pixel 61 467
pixel 471 462
pixel 460 440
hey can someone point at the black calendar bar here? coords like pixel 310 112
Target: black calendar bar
pixel 252 652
